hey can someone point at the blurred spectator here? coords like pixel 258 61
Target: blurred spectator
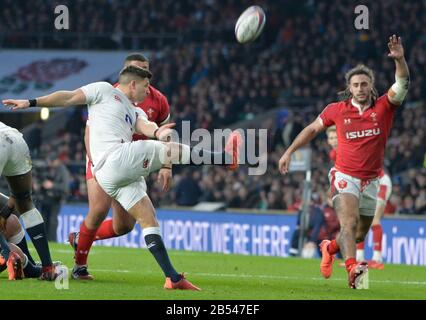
pixel 323 224
pixel 420 203
pixel 187 190
pixel 54 190
pixel 407 205
pixel 33 138
pixel 292 128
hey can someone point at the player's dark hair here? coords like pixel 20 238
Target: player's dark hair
pixel 127 72
pixel 136 57
pixel 359 69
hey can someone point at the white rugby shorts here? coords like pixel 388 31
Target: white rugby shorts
pixel 364 190
pixel 122 174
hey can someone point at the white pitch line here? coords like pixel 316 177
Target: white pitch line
pixel 298 278
pixel 265 276
pixel 251 276
pixel 119 271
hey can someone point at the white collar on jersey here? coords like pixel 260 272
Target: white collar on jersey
pixel 359 106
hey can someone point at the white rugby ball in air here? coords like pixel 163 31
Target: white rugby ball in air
pixel 250 24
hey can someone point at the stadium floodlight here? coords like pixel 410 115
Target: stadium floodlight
pixel 44 114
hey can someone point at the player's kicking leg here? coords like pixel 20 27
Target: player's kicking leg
pixel 177 153
pixel 122 223
pixel 161 154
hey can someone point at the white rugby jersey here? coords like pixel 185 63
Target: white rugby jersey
pixel 6 128
pixel 112 118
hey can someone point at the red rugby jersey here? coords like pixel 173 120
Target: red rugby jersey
pixel 361 136
pixel 156 108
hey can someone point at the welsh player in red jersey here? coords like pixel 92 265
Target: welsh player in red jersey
pixel 95 227
pixel 363 122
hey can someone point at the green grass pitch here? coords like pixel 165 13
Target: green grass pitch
pixel 122 273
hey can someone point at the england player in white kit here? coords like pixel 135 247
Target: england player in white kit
pixel 15 166
pixel 120 163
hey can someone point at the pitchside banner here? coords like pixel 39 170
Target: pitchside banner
pixel 404 241
pixel 25 74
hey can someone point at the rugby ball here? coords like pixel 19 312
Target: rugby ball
pixel 250 24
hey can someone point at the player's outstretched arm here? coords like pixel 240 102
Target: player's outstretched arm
pixel 399 89
pixel 55 99
pixel 302 139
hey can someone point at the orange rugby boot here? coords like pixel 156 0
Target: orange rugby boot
pixel 182 284
pixel 326 266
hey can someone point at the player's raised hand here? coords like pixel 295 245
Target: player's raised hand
pixel 164 133
pixel 284 163
pixel 396 50
pixel 165 178
pixel 16 104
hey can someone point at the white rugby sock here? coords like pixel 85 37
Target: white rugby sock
pixel 360 255
pixel 377 256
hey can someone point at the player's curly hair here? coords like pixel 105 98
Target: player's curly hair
pixel 359 69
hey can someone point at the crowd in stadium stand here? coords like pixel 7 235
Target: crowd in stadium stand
pixel 298 64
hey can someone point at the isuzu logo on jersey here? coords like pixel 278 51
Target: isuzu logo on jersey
pixel 363 133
